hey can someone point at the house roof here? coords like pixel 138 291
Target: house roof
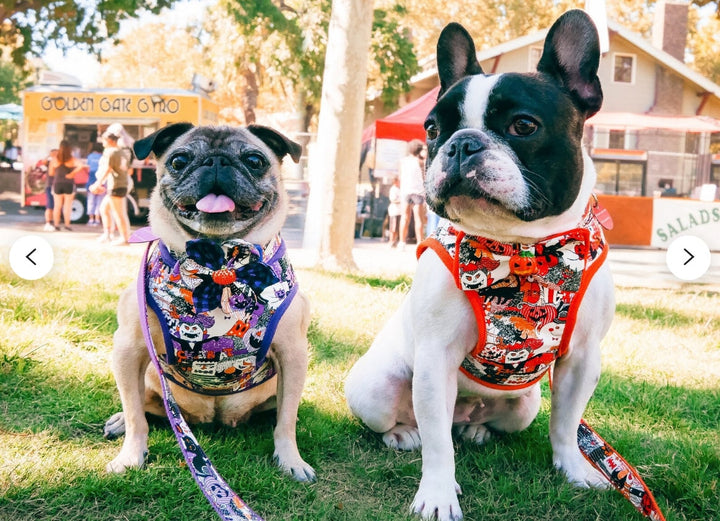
pixel 632 121
pixel 633 38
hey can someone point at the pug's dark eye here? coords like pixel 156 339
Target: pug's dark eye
pixel 523 126
pixel 179 162
pixel 255 161
pixel 431 131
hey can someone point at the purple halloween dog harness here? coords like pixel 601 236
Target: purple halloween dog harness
pixel 219 306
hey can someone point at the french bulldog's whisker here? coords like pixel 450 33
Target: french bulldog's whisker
pixel 535 188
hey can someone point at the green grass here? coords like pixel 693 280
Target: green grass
pixel 658 404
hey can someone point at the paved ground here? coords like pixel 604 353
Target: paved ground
pixel 643 267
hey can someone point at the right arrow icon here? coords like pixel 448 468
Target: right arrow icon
pixel 688 257
pixel 691 256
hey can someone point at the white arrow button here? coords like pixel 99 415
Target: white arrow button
pixel 31 257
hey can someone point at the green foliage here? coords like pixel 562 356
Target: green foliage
pixel 393 54
pixel 12 81
pixel 33 24
pixel 704 46
pixel 302 30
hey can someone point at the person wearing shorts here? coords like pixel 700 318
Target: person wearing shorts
pixel 412 191
pixel 94 199
pixel 114 170
pixel 63 170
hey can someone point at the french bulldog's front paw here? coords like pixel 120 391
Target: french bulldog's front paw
pixel 114 426
pixel 403 437
pixel 437 500
pixel 476 433
pixel 580 473
pixel 296 467
pixel 125 460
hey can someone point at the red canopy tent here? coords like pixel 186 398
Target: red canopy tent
pixel 406 123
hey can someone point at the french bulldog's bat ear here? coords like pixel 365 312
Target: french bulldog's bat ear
pixel 159 141
pixel 572 56
pixel 456 56
pixel 278 143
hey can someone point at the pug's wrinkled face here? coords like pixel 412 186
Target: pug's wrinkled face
pixel 216 182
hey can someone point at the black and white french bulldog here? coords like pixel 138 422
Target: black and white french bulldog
pixel 219 192
pixel 507 170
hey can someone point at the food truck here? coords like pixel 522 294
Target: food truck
pixel 80 116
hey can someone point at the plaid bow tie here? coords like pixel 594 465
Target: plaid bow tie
pixel 223 270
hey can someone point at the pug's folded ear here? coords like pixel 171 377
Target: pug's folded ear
pixel 158 142
pixel 277 142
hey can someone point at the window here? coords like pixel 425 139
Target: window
pixel 616 139
pixel 534 54
pixel 624 68
pixel 715 174
pixel 620 177
pixel 692 143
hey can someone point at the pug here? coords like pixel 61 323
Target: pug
pixel 226 317
pixel 512 285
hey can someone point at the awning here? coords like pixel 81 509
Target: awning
pixel 11 111
pixel 406 123
pixel 628 120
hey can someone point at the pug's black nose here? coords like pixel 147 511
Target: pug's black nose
pixel 214 161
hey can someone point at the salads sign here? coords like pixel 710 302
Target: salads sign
pixel 110 104
pixel 675 217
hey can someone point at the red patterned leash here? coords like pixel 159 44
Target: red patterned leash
pixel 621 475
pixel 226 503
pixel 615 469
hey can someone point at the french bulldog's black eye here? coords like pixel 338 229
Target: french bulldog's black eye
pixel 431 131
pixel 179 162
pixel 523 126
pixel 255 161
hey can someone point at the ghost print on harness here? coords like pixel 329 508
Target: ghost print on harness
pixel 525 297
pixel 219 305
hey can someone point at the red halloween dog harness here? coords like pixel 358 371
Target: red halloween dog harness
pixel 525 297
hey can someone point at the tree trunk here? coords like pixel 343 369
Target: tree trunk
pixel 330 223
pixel 250 94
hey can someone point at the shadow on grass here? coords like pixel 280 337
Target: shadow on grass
pixel 328 348
pixel 400 283
pixel 669 433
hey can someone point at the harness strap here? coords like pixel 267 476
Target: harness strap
pixel 226 503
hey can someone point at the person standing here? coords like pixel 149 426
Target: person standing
pixel 394 212
pixel 114 170
pixel 63 170
pixel 49 199
pixel 94 198
pixel 412 191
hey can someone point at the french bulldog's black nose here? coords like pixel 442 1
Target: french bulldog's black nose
pixel 216 161
pixel 466 145
pixel 465 148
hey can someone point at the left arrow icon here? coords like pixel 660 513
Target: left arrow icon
pixel 28 256
pixel 37 251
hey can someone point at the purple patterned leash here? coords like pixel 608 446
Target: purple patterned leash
pixel 226 503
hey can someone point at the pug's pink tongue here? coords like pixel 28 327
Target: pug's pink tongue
pixel 212 203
